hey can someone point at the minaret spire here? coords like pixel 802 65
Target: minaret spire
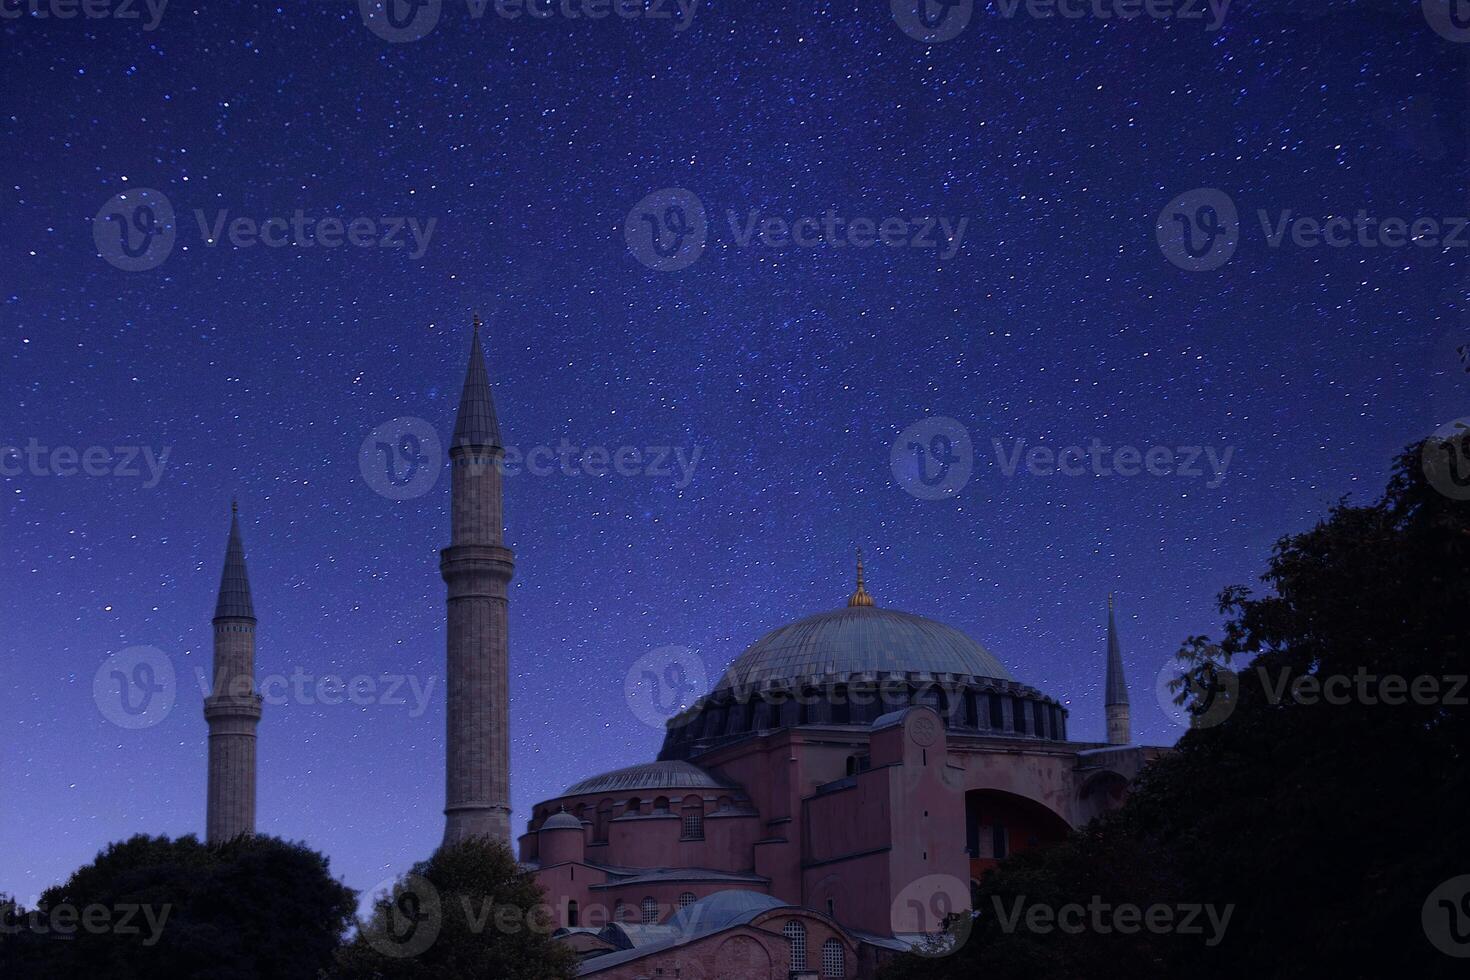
pixel 1115 687
pixel 233 708
pixel 860 597
pixel 477 569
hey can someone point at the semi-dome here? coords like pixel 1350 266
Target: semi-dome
pixel 860 639
pixel 670 774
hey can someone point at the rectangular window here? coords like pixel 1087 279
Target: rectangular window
pixel 998 842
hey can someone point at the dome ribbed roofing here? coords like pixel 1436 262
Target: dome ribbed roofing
pixel 860 639
pixel 723 909
pixel 672 774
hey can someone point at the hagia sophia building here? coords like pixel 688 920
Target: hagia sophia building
pixel 824 807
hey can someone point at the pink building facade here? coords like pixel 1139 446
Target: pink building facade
pixel 828 804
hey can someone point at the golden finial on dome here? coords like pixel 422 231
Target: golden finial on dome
pixel 860 597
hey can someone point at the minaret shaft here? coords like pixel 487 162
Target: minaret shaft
pixel 232 708
pixel 1115 688
pixel 477 569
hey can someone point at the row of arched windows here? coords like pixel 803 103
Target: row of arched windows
pixel 648 909
pixel 834 957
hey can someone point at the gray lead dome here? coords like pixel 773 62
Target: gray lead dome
pixel 858 640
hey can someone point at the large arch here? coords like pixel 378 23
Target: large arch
pixel 998 824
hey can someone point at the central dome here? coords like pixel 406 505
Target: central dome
pixel 860 639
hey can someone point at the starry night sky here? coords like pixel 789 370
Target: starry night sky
pixel 792 370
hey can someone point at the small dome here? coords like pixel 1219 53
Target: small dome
pixel 562 821
pixel 673 774
pixel 860 639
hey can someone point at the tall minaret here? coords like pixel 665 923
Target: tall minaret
pixel 477 568
pixel 1115 700
pixel 233 707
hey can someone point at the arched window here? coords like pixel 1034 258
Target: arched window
pixel 685 900
pixel 634 807
pixel 621 911
pixel 572 914
pixel 834 959
pixel 796 933
pixel 604 817
pixel 650 911
pixel 661 804
pixel 693 819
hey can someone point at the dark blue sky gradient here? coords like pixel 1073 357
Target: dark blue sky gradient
pixel 793 371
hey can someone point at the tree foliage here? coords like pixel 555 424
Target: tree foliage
pixel 251 907
pixel 469 911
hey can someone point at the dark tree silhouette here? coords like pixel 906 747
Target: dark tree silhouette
pixel 252 907
pixel 469 911
pixel 1319 797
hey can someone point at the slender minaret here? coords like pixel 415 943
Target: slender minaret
pixel 477 568
pixel 1115 701
pixel 233 707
